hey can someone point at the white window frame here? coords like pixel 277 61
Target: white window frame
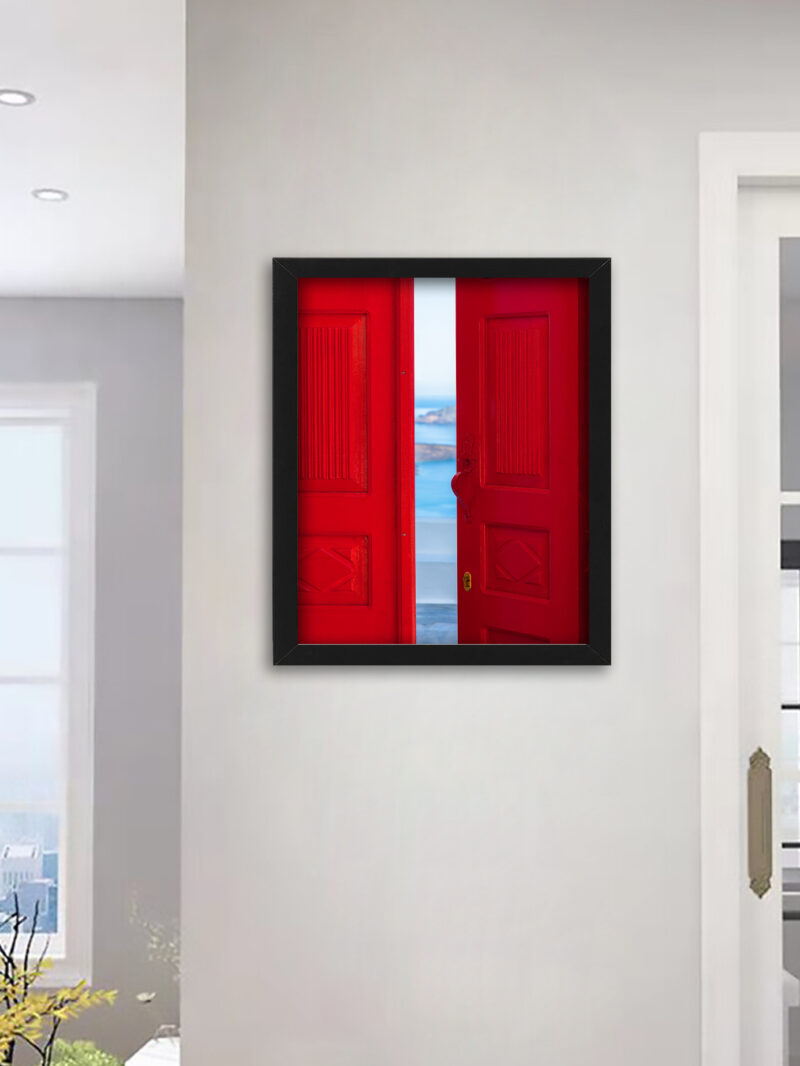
pixel 74 407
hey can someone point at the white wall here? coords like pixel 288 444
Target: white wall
pixel 441 866
pixel 132 349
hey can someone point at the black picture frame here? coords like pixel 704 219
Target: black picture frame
pixel 286 273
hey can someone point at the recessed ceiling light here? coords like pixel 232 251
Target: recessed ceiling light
pixel 16 98
pixel 55 196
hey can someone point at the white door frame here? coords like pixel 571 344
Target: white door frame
pixel 727 162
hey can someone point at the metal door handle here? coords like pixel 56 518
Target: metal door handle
pixel 759 822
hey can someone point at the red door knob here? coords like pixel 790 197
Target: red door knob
pixel 459 484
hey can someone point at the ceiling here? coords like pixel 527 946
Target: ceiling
pixel 108 127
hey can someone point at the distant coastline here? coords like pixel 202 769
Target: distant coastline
pixel 433 453
pixel 445 416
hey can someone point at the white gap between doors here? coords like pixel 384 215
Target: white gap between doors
pixel 435 504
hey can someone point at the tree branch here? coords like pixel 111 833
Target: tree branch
pixel 26 979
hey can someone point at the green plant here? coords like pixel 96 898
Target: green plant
pixel 28 1016
pixel 81 1053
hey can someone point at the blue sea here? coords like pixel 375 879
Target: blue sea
pixel 434 498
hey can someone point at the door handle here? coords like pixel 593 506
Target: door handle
pixel 461 483
pixel 759 822
pixel 458 485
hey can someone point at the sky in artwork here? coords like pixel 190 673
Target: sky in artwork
pixel 435 337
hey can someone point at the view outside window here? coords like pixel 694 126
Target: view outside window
pixel 32 683
pixel 435 458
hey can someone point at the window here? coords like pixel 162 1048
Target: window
pixel 46 663
pixel 790 722
pixel 790 705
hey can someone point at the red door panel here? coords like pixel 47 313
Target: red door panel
pixel 521 482
pixel 355 461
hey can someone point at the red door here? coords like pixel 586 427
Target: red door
pixel 521 481
pixel 355 461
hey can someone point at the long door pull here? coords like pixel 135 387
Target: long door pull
pixel 759 822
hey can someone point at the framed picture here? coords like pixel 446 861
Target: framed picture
pixel 441 461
